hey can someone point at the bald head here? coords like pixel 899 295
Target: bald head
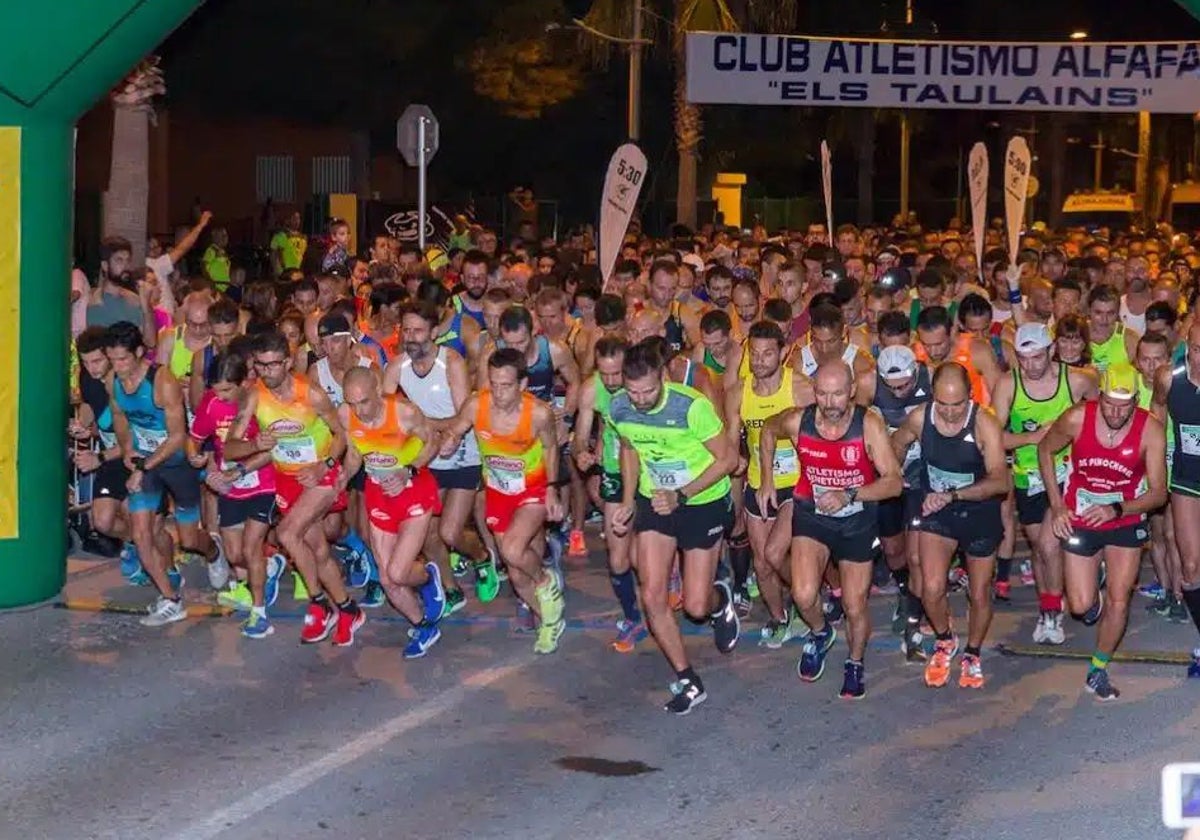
pixel 834 375
pixel 362 380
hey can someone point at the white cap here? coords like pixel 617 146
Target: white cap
pixel 695 261
pixel 896 362
pixel 1033 338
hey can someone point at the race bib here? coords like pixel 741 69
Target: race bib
pixel 912 455
pixel 560 402
pixel 1085 499
pixel 668 475
pixel 247 482
pixel 944 481
pixel 107 439
pixel 1189 439
pixel 297 451
pixel 505 475
pixel 147 441
pixel 1037 486
pixel 848 510
pixel 786 462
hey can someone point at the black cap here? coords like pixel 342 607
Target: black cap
pixel 333 324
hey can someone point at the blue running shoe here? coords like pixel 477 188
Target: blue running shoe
pixel 1194 668
pixel 131 562
pixel 138 578
pixel 420 640
pixel 433 594
pixel 812 659
pixel 358 572
pixel 1098 684
pixel 276 565
pixel 854 685
pixel 256 626
pixel 1152 590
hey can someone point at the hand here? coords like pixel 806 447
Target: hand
pixel 622 518
pixel 220 481
pixel 206 217
pixel 1060 522
pixel 1097 515
pixel 87 460
pixel 832 502
pixel 265 442
pixel 200 461
pixel 134 483
pixel 766 500
pixel 1035 437
pixel 554 507
pixel 1013 275
pixel 128 461
pixel 311 475
pixel 743 463
pixel 395 483
pixel 561 431
pixel 664 502
pixel 77 430
pixel 449 445
pixel 933 503
pixel 585 460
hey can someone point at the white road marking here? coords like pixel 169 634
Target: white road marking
pixel 227 818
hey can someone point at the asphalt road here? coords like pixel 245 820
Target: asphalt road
pixel 114 731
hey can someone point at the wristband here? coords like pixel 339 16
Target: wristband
pixel 851 494
pixel 683 499
pixel 954 495
pixel 331 462
pixel 203 475
pixel 139 464
pixel 1014 295
pixel 1118 510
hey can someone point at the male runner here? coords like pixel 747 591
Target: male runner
pixel 1118 475
pixel 828 341
pixel 846 468
pixel 1110 341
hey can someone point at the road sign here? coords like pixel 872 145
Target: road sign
pixel 408 134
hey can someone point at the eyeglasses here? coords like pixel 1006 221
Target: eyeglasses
pixel 271 364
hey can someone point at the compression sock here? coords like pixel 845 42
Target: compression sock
pixel 739 559
pixel 624 588
pixel 1100 661
pixel 1003 569
pixel 1191 597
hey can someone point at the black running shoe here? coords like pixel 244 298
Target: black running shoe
pixel 725 622
pixel 1094 611
pixel 685 696
pixel 1098 684
pixel 913 645
pixel 833 610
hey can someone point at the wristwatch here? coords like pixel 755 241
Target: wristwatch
pixel 954 495
pixel 682 497
pixel 851 495
pixel 1118 510
pixel 331 462
pixel 241 469
pixel 139 463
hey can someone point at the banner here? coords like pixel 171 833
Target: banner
pixel 622 184
pixel 1016 191
pixel 743 69
pixel 400 221
pixel 977 177
pixel 827 187
pixel 10 339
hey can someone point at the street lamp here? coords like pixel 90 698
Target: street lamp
pixel 1078 35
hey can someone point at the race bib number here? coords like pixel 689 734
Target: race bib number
pixel 848 510
pixel 147 441
pixel 1085 499
pixel 1037 486
pixel 786 462
pixel 560 402
pixel 297 451
pixel 944 481
pixel 912 455
pixel 107 439
pixel 668 475
pixel 1189 439
pixel 247 482
pixel 505 475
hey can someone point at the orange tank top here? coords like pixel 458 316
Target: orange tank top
pixel 513 463
pixel 962 355
pixel 385 448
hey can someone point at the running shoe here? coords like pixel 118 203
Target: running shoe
pixel 752 586
pixel 812 659
pixel 742 603
pixel 276 565
pixel 675 591
pixel 937 670
pixel 1098 684
pixel 501 569
pixel 1102 575
pixel 775 634
pixel 373 596
pixel 237 596
pixel 218 567
pixel 421 639
pixel 1039 629
pixel 1054 634
pixel 299 588
pixel 1094 612
pixel 433 595
pixel 900 614
pixel 854 684
pixel 318 624
pixel 524 621
pixel 455 601
pixel 548 636
pixel 1178 612
pixel 1160 606
pixel 458 565
pixel 1193 670
pixel 1002 590
pixel 164 611
pixel 595 517
pixel 833 610
pixel 487 580
pixel 551 603
pixel 138 578
pixel 685 696
pixel 957 580
pixel 725 622
pixel 576 545
pixel 913 643
pixel 970 673
pixel 629 633
pixel 131 561
pixel 1027 577
pixel 1154 590
pixel 358 571
pixel 347 624
pixel 256 626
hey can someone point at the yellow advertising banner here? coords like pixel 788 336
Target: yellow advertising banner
pixel 10 339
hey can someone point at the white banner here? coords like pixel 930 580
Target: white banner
pixel 827 187
pixel 977 177
pixel 743 69
pixel 626 174
pixel 1016 191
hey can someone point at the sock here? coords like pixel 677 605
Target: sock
pixel 348 606
pixel 690 675
pixel 972 650
pixel 321 601
pixel 354 542
pixel 914 607
pixel 901 578
pixel 1003 569
pixel 623 588
pixel 1100 661
pixel 1048 602
pixel 258 612
pixel 722 601
pixel 739 559
pixel 945 637
pixel 853 661
pixel 1191 597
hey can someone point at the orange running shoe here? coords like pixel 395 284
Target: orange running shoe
pixel 576 547
pixel 971 675
pixel 937 670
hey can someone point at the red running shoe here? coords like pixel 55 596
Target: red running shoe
pixel 347 625
pixel 318 624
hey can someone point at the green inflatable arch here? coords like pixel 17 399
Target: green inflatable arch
pixel 57 60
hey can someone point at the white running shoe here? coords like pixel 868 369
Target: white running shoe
pixel 164 611
pixel 218 569
pixel 1054 629
pixel 1039 632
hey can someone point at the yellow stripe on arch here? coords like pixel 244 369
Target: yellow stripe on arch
pixel 10 339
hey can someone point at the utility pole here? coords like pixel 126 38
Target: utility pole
pixel 1098 162
pixel 635 74
pixel 905 131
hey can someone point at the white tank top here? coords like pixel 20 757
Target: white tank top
pixel 431 393
pixel 1137 323
pixel 808 361
pixel 330 385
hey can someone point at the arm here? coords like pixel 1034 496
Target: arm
pixel 484 355
pixel 864 389
pixel 889 481
pixel 1064 430
pixel 120 424
pixel 415 423
pixel 453 428
pixel 565 367
pixel 985 362
pixel 352 459
pixel 189 240
pixel 237 446
pixel 1084 385
pixel 732 366
pixel 583 424
pixel 546 423
pixel 149 325
pixel 909 431
pixel 1162 386
pixel 1154 449
pixel 391 376
pixel 733 416
pixel 786 425
pixel 459 379
pixel 1002 400
pixel 998 479
pixel 1132 337
pixel 319 400
pixel 169 394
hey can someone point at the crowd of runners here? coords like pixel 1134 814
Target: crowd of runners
pixel 796 419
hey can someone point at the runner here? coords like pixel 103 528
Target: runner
pixel 965 479
pixel 828 340
pixel 518 444
pixel 1118 475
pixel 936 345
pixel 675 466
pixel 393 442
pixel 1111 342
pixel 846 469
pixel 1030 397
pixel 298 425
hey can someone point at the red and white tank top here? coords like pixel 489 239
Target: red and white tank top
pixel 1103 475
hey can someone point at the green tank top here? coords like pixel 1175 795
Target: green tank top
pixel 712 364
pixel 610 442
pixel 1029 415
pixel 1110 352
pixel 180 362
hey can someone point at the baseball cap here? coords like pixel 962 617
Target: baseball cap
pixel 1119 382
pixel 1032 338
pixel 896 362
pixel 333 324
pixel 695 261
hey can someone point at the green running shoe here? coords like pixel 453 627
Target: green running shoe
pixel 300 591
pixel 455 601
pixel 548 636
pixel 237 596
pixel 550 600
pixel 487 582
pixel 458 565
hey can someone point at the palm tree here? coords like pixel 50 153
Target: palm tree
pixel 126 201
